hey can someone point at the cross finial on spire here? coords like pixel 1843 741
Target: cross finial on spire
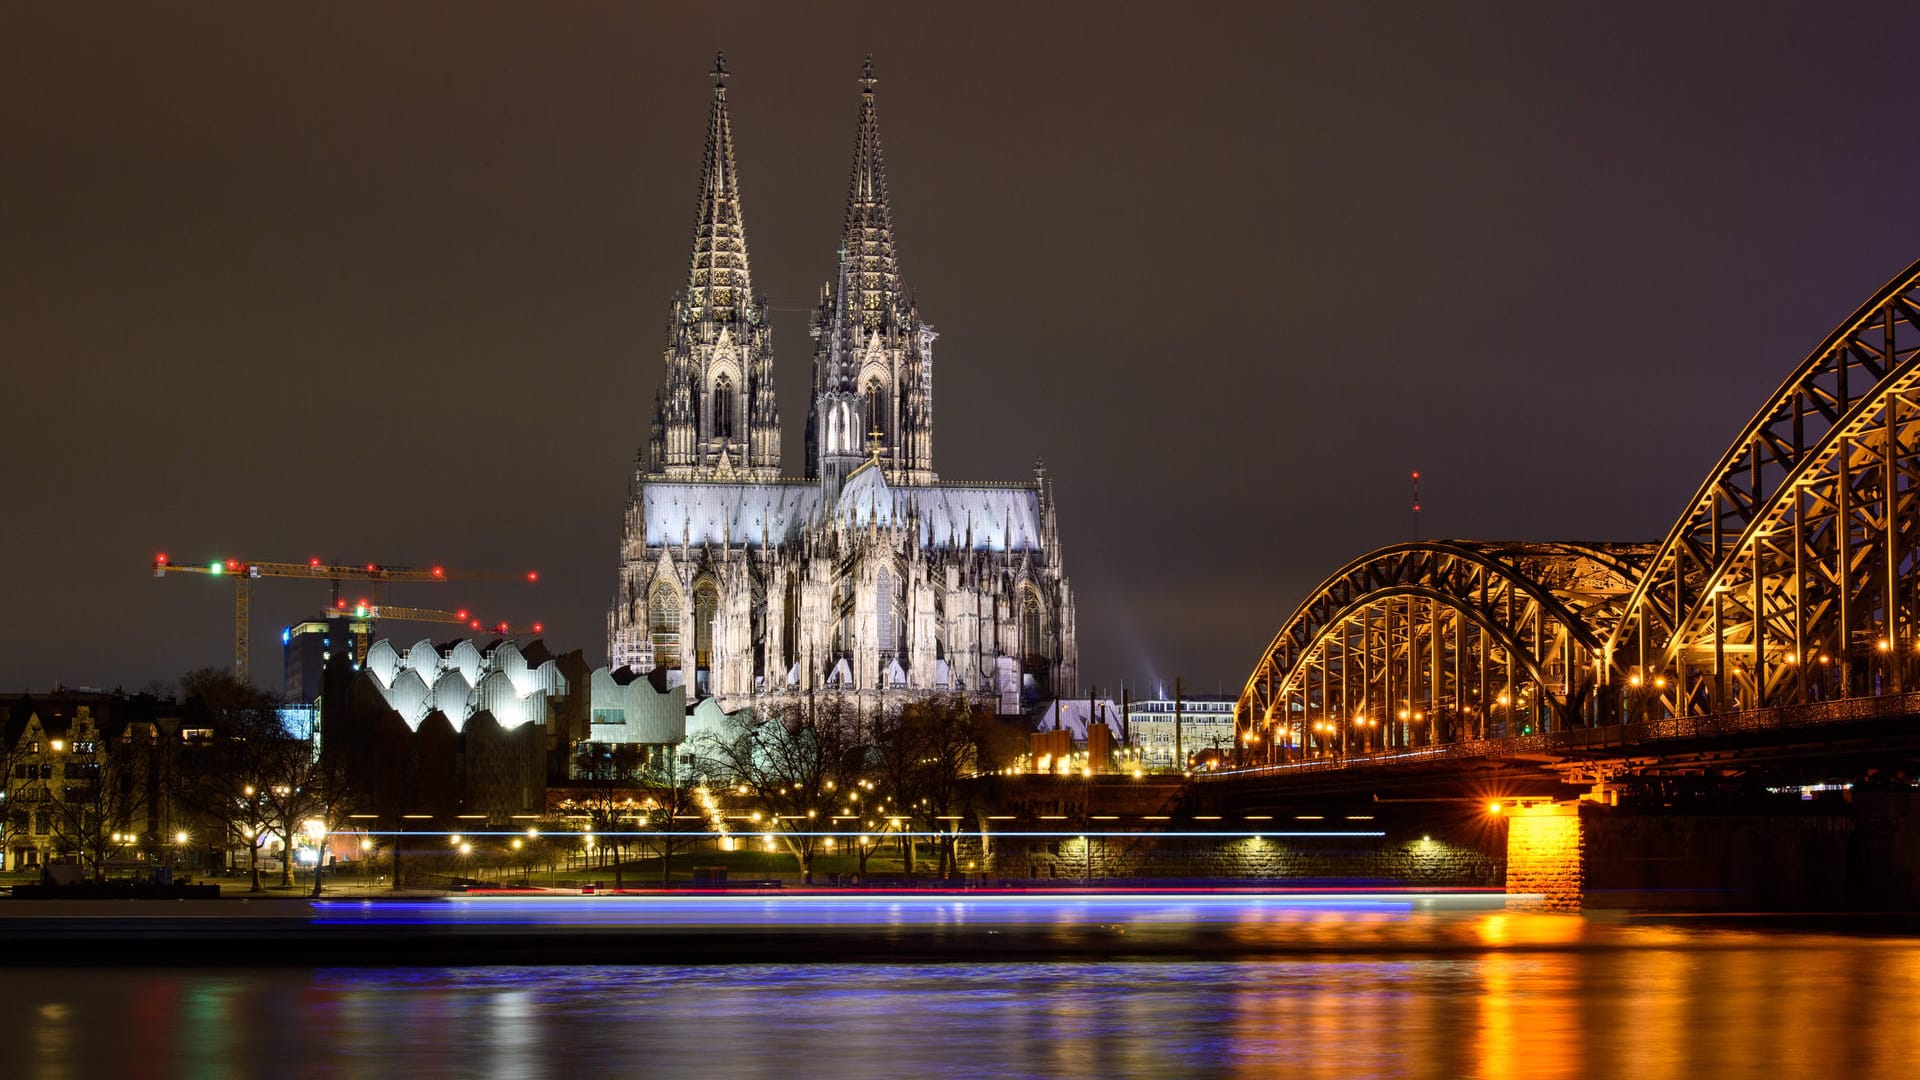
pixel 873 443
pixel 720 71
pixel 866 75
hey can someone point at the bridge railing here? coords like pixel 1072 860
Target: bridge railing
pixel 1619 738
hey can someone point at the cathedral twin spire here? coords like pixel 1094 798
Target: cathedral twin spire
pixel 716 413
pixel 873 357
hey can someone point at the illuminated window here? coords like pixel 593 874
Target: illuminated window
pixel 1033 626
pixel 723 408
pixel 663 625
pixel 876 410
pixel 706 606
pixel 885 613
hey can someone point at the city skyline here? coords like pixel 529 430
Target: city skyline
pixel 286 312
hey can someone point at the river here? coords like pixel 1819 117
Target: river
pixel 1426 990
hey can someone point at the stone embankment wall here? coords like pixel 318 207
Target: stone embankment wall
pixel 1857 854
pixel 1419 861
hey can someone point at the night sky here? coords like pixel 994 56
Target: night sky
pixel 393 286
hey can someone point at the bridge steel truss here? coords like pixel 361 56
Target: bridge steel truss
pixel 1793 577
pixel 1437 642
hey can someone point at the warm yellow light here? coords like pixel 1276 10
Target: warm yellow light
pixel 1659 682
pixel 1633 680
pixel 531 833
pixel 516 843
pixel 180 837
pixel 366 844
pixel 1885 646
pixel 58 745
pixel 454 839
pixel 1493 808
pixel 466 849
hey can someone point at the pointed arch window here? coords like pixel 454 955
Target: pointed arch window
pixel 706 607
pixel 1033 627
pixel 663 625
pixel 876 411
pixel 886 613
pixel 723 408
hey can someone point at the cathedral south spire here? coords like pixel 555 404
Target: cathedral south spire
pixel 873 358
pixel 716 408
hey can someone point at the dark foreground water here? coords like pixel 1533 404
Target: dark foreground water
pixel 1547 996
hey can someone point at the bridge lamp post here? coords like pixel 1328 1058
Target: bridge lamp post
pixel 1366 724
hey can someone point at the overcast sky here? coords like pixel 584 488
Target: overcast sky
pixel 390 282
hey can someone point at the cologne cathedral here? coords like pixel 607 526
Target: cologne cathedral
pixel 867 573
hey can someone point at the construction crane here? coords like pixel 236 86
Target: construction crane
pixel 361 617
pixel 463 617
pixel 244 572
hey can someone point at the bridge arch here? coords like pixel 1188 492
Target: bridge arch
pixel 1792 575
pixel 1423 643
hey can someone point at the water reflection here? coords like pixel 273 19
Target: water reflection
pixel 1542 997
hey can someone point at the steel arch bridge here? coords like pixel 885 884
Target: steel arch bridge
pixel 1793 576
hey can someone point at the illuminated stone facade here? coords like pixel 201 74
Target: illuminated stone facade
pixel 868 573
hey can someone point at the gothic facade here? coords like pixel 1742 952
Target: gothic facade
pixel 868 572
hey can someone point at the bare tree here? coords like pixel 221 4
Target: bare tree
pixel 925 754
pixel 788 763
pixel 93 804
pixel 227 778
pixel 611 774
pixel 674 806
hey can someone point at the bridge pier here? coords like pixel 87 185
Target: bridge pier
pixel 1546 857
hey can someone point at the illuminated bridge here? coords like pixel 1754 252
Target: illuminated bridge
pixel 1780 608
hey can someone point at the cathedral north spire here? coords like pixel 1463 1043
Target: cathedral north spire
pixel 716 410
pixel 719 279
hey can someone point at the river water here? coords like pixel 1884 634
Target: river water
pixel 1422 993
